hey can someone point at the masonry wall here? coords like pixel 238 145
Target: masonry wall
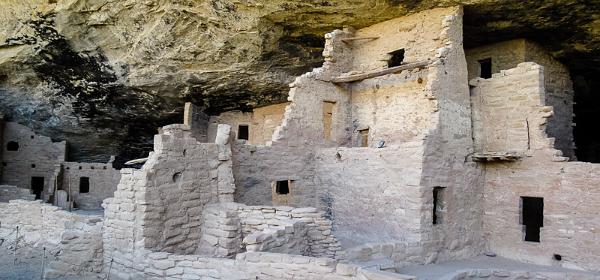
pixel 232 118
pixel 129 224
pixel 557 82
pixel 103 180
pixel 457 232
pixel 37 156
pixel 567 188
pixel 256 168
pixel 72 242
pixel 180 177
pixel 393 108
pixel 8 192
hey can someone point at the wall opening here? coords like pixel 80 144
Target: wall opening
pixel 37 186
pixel 396 58
pixel 363 137
pixel 439 205
pixel 243 132
pixel 327 118
pixel 532 217
pixel 586 111
pixel 12 146
pixel 282 187
pixel 84 185
pixel 485 68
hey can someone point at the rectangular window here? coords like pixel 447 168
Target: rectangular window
pixel 282 187
pixel 396 58
pixel 438 205
pixel 327 118
pixel 485 68
pixel 532 217
pixel 243 132
pixel 364 137
pixel 84 185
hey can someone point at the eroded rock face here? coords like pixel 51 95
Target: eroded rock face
pixel 104 74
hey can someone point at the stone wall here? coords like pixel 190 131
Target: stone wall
pixel 129 224
pixel 499 274
pixel 233 228
pixel 557 82
pixel 103 180
pixel 37 156
pixel 72 241
pixel 180 177
pixel 197 120
pixel 8 193
pixel 256 168
pixel 567 188
pixel 231 118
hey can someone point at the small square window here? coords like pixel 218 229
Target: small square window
pixel 282 187
pixel 396 58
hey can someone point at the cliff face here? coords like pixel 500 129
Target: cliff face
pixel 103 74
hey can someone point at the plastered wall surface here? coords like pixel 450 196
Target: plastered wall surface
pixel 568 188
pixel 264 121
pixel 557 82
pixel 37 156
pixel 103 180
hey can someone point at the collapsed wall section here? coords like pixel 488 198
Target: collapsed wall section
pixel 557 83
pixel 567 219
pixel 180 177
pixel 37 235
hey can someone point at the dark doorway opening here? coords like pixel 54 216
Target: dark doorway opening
pixel 37 186
pixel 532 217
pixel 396 58
pixel 485 68
pixel 84 185
pixel 438 204
pixel 12 146
pixel 282 187
pixel 243 132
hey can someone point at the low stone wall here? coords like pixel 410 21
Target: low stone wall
pixel 8 193
pixel 72 242
pixel 493 274
pixel 230 228
pixel 254 265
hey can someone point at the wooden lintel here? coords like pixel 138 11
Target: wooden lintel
pixel 377 73
pixel 350 39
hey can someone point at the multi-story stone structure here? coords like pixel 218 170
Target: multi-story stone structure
pixel 402 150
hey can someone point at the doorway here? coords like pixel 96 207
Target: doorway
pixel 37 186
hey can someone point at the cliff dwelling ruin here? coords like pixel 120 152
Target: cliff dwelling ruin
pixel 404 156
